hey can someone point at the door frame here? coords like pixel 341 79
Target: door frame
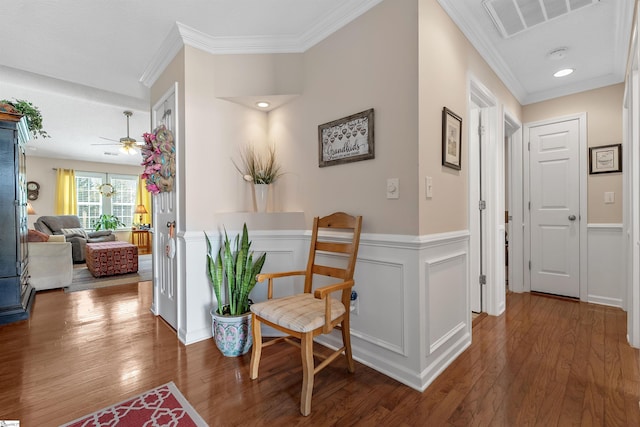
pixel 493 190
pixel 631 193
pixel 513 137
pixel 582 183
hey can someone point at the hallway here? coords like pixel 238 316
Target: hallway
pixel 544 362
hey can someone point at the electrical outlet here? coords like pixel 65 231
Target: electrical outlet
pixel 355 307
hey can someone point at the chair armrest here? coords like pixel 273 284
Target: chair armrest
pixel 260 277
pixel 326 290
pixel 271 276
pixel 323 293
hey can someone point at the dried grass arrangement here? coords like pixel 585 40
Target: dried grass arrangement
pixel 259 168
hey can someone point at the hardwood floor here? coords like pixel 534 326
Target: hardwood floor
pixel 544 362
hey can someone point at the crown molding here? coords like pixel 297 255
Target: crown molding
pixel 484 48
pixel 333 21
pixel 168 50
pixel 181 35
pixel 570 89
pixel 622 38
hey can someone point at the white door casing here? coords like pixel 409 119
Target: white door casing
pixel 475 215
pixel 165 295
pixel 555 207
pixel 493 292
pixel 515 227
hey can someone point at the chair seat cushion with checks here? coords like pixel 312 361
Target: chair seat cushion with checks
pixel 300 313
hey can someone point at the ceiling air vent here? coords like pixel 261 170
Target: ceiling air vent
pixel 514 16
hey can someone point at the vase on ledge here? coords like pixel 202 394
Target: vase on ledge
pixel 261 192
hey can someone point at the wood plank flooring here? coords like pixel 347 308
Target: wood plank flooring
pixel 544 362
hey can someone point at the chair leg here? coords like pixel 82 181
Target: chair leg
pixel 346 340
pixel 256 351
pixel 306 346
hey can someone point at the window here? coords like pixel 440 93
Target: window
pixel 92 203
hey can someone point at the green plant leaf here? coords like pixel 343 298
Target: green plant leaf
pixel 235 264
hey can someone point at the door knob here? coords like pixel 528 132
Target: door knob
pixel 572 217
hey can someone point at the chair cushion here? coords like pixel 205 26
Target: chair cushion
pixel 300 313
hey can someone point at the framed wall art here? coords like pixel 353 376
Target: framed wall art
pixel 605 159
pixel 345 140
pixel 451 139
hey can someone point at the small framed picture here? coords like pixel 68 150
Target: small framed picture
pixel 345 140
pixel 451 139
pixel 605 159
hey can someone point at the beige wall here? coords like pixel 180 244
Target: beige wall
pixel 604 127
pixel 374 62
pixel 370 63
pixel 447 60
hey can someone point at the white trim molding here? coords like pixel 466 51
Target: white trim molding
pixel 606 265
pixel 413 316
pixel 182 35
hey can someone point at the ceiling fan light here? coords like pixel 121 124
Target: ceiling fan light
pixel 127 149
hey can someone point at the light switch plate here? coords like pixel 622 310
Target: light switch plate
pixel 393 188
pixel 609 197
pixel 428 184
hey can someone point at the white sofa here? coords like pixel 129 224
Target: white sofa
pixel 50 264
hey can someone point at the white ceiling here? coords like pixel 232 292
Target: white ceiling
pixel 596 38
pixel 103 49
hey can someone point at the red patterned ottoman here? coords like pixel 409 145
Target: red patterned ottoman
pixel 109 258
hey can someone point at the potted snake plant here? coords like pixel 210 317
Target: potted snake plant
pixel 232 274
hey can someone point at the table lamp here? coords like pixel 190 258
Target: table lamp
pixel 140 209
pixel 31 211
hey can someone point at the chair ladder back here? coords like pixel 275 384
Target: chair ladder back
pixel 339 221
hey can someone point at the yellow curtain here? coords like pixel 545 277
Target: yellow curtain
pixel 66 203
pixel 143 197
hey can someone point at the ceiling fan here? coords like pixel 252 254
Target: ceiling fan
pixel 127 144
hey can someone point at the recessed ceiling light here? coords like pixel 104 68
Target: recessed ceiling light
pixel 564 72
pixel 263 104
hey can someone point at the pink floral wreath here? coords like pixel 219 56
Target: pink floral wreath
pixel 159 160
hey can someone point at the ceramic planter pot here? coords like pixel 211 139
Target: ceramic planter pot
pixel 232 334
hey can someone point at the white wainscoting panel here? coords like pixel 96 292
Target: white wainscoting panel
pixel 446 282
pixel 447 305
pixel 284 253
pixel 606 275
pixel 380 282
pixel 414 312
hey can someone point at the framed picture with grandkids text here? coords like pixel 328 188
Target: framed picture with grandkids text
pixel 345 140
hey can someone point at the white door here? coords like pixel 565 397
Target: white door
pixel 555 208
pixel 164 212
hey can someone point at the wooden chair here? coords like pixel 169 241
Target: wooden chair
pixel 305 316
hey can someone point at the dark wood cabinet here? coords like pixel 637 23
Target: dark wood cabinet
pixel 16 295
